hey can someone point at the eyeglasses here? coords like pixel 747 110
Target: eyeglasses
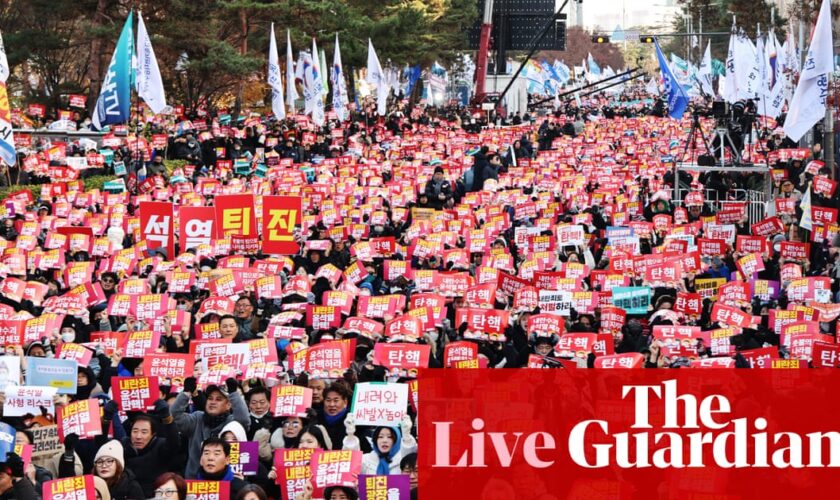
pixel 291 423
pixel 165 493
pixel 105 462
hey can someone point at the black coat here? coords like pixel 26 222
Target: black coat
pixel 21 490
pixel 153 460
pixel 127 488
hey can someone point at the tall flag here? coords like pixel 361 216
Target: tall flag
pixel 275 80
pixel 808 104
pixel 313 86
pixel 7 139
pixel 325 75
pixel 114 103
pixel 149 82
pixel 652 87
pixel 562 71
pixel 594 71
pixel 677 98
pixel 704 74
pixel 747 73
pixel 730 93
pixel 376 77
pixel 339 88
pixel 291 90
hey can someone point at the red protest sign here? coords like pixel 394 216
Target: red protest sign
pixel 280 216
pixel 330 359
pixel 135 393
pixel 290 400
pixel 626 360
pixel 459 351
pixel 197 226
pixel 293 471
pixel 79 417
pixel 201 489
pixel 81 487
pixel 235 215
pixel 140 343
pixel 323 317
pixel 731 316
pixel 171 367
pixel 335 468
pixel 403 360
pixel 78 352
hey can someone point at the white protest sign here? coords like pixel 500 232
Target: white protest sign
pixel 379 403
pixel 22 400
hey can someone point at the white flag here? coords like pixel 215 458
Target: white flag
pixel 291 90
pixel 730 93
pixel 275 80
pixel 339 88
pixel 808 104
pixel 747 74
pixel 704 73
pixel 7 140
pixel 313 86
pixel 4 63
pixel 652 87
pixel 149 82
pixel 376 78
pixel 806 222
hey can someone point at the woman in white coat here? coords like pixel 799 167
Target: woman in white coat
pixel 389 445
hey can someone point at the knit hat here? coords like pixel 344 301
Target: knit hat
pixel 237 430
pixel 438 170
pixel 101 487
pixel 112 449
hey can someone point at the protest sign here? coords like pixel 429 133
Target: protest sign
pixel 79 417
pixel 201 489
pixel 391 487
pixel 22 400
pixel 77 487
pixel 633 299
pixel 58 373
pixel 290 400
pixel 379 403
pixel 135 393
pixel 335 468
pixel 293 471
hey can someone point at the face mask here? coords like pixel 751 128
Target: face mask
pixel 68 337
pixel 777 247
pixel 181 307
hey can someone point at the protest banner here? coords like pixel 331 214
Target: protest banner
pixel 79 417
pixel 77 487
pixel 58 373
pixel 290 400
pixel 379 403
pixel 135 393
pixel 280 216
pixel 23 400
pixel 334 468
pixel 293 471
pixel 391 487
pixel 633 299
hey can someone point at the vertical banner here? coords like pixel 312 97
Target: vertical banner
pixel 157 226
pixel 197 226
pixel 280 215
pixel 235 215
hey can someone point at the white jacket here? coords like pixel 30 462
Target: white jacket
pixel 370 461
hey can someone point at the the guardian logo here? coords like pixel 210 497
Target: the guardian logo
pixel 676 444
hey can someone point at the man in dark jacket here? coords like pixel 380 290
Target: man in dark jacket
pixel 224 405
pixel 438 190
pixel 491 170
pixel 259 406
pixel 215 464
pixel 150 446
pixel 14 485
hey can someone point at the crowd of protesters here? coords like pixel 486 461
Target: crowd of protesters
pixel 460 226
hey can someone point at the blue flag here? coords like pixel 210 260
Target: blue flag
pixel 114 103
pixel 677 98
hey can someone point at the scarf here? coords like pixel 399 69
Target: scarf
pixel 335 419
pixel 384 466
pixel 213 422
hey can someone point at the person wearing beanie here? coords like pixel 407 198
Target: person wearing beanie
pixel 224 405
pixel 438 190
pixel 233 432
pixel 390 444
pixel 109 464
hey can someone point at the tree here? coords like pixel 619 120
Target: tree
pixel 579 45
pixel 717 18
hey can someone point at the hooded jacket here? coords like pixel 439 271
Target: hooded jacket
pixel 198 426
